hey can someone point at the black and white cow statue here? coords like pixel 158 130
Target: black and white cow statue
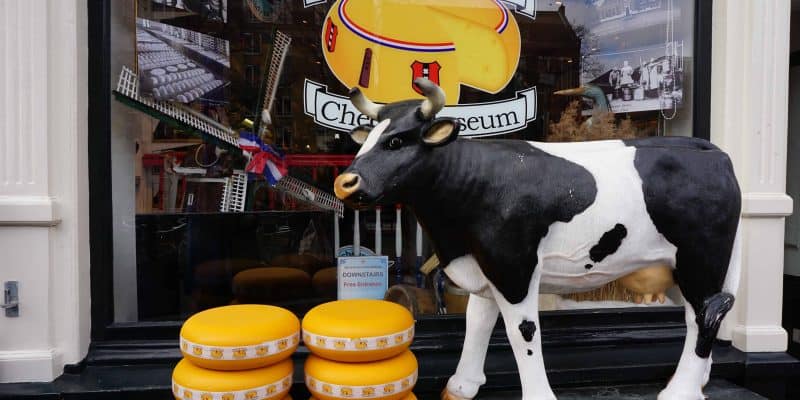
pixel 508 217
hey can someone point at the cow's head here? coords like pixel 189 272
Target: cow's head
pixel 392 154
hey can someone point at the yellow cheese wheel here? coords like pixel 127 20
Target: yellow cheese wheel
pixel 325 282
pixel 358 330
pixel 382 45
pixel 190 382
pixel 390 379
pixel 240 337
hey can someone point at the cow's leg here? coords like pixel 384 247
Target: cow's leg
pixel 522 328
pixel 694 367
pixel 481 317
pixel 706 291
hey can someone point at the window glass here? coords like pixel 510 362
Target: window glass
pixel 193 229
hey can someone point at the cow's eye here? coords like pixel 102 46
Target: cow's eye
pixel 395 143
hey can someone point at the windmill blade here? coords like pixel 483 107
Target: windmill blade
pixel 269 87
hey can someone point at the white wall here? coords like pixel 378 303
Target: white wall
pixel 44 186
pixel 750 64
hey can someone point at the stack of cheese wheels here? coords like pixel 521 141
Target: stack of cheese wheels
pixel 360 350
pixel 237 352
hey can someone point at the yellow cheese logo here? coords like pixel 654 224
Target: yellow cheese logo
pixel 228 396
pixel 283 344
pixel 239 353
pixel 207 396
pixel 347 392
pixel 262 350
pixel 382 342
pixel 381 46
pixel 368 392
pixel 197 350
pixel 216 353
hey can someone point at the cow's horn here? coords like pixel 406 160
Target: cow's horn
pixel 435 98
pixel 363 104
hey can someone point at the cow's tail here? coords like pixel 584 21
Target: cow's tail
pixel 732 278
pixel 731 284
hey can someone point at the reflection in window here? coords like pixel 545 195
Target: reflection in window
pixel 623 65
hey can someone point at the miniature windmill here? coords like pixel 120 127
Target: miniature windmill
pixel 185 118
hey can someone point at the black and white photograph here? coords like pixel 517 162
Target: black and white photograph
pixel 210 10
pixel 641 67
pixel 641 80
pixel 180 65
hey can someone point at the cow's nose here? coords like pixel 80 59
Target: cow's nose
pixel 346 184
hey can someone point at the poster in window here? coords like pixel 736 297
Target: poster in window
pixel 633 52
pixel 455 44
pixel 178 64
pixel 209 10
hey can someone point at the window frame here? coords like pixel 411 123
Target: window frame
pixel 148 334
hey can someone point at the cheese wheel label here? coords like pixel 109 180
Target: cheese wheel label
pixel 247 352
pixel 274 390
pixel 450 42
pixel 361 392
pixel 359 344
pixel 381 46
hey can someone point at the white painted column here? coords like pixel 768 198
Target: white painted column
pixel 44 186
pixel 749 98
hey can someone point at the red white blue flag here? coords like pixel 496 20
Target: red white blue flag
pixel 266 160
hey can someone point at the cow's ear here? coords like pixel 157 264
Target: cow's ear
pixel 440 132
pixel 360 133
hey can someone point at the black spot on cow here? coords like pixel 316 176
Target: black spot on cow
pixel 501 213
pixel 588 266
pixel 527 329
pixel 677 183
pixel 608 243
pixel 530 352
pixel 671 141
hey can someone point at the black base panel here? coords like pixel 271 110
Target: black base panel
pixel 572 371
pixel 716 389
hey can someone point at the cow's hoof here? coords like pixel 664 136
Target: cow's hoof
pixel 447 395
pixel 667 394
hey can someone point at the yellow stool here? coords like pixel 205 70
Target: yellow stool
pixel 240 337
pixel 271 284
pixel 325 282
pixel 190 382
pixel 305 262
pixel 358 330
pixel 390 379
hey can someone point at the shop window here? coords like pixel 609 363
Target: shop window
pixel 251 43
pixel 284 106
pixel 574 70
pixel 252 74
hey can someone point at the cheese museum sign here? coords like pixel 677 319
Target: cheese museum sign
pixel 475 43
